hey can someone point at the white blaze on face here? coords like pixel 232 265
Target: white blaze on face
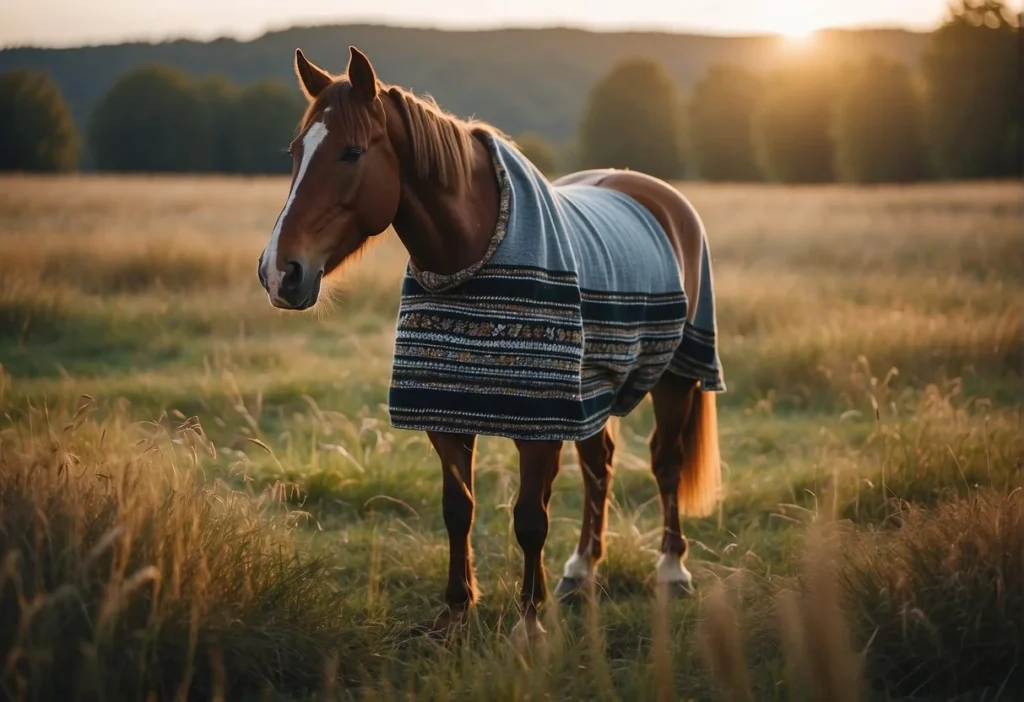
pixel 311 141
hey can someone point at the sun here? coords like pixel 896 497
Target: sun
pixel 799 35
pixel 798 25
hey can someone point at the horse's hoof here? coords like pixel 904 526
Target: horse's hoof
pixel 445 627
pixel 571 589
pixel 568 587
pixel 684 589
pixel 528 634
pixel 679 589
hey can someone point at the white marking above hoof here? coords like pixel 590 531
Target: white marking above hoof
pixel 578 568
pixel 672 570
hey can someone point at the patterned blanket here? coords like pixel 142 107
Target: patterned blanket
pixel 571 316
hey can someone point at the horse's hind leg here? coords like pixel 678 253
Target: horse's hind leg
pixel 456 453
pixel 538 466
pixel 595 454
pixel 685 461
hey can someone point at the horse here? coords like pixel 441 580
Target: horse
pixel 534 310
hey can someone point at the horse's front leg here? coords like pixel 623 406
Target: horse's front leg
pixel 538 466
pixel 457 453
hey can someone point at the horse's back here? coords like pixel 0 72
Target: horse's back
pixel 617 244
pixel 678 218
pixel 697 356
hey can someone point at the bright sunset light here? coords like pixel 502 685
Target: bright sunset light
pixel 799 34
pixel 799 19
pixel 70 22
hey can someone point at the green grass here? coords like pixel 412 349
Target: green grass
pixel 871 340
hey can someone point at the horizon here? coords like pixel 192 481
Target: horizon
pixel 300 26
pixel 107 22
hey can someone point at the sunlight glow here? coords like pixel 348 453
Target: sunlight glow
pixel 799 34
pixel 67 22
pixel 798 22
pixel 799 41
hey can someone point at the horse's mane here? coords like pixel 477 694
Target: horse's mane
pixel 441 143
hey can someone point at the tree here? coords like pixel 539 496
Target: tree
pixel 152 119
pixel 792 120
pixel 972 69
pixel 877 125
pixel 721 108
pixel 632 120
pixel 264 119
pixel 37 132
pixel 218 97
pixel 539 151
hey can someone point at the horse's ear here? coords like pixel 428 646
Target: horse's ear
pixel 361 74
pixel 312 78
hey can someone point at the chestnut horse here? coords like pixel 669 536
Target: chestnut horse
pixel 370 156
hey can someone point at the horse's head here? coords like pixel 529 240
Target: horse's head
pixel 345 182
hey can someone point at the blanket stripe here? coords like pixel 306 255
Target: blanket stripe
pixel 573 316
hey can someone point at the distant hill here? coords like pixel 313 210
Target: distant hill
pixel 519 79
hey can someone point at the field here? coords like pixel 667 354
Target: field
pixel 202 494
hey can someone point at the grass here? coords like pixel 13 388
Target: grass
pixel 202 495
pixel 942 596
pixel 145 577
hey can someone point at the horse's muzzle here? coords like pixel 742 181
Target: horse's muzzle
pixel 299 290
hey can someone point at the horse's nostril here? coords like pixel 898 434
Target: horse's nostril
pixel 293 276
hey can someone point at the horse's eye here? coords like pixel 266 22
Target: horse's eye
pixel 351 154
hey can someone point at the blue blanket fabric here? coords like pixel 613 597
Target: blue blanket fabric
pixel 572 315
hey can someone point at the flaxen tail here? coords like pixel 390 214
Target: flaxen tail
pixel 700 485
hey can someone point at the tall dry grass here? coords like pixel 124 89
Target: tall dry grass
pixel 872 344
pixel 940 602
pixel 930 611
pixel 124 575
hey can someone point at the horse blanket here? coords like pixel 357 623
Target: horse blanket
pixel 571 316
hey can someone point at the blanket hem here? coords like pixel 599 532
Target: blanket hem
pixel 439 282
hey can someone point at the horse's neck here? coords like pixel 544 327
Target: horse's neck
pixel 443 231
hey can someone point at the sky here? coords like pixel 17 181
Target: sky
pixel 79 22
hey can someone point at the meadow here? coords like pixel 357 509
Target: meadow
pixel 201 496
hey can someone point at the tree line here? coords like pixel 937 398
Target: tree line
pixel 157 119
pixel 153 119
pixel 815 118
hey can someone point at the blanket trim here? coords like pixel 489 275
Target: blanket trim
pixel 438 282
